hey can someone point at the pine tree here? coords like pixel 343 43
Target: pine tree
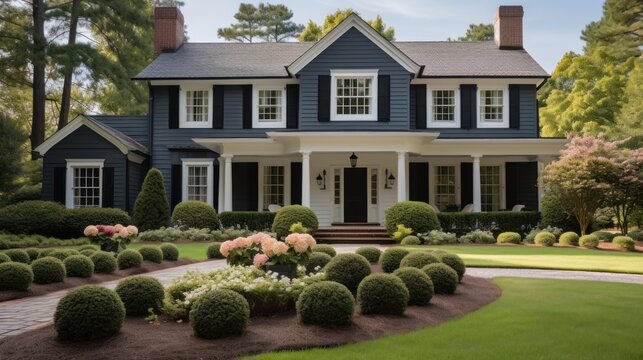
pixel 276 23
pixel 314 32
pixel 477 32
pixel 151 209
pixel 248 26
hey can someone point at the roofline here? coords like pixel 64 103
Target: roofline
pixel 484 77
pixel 211 77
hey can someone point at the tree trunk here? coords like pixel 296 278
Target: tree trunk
pixel 65 102
pixel 38 90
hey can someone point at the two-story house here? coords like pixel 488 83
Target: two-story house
pixel 347 125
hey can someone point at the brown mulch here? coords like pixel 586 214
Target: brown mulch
pixel 70 282
pixel 171 340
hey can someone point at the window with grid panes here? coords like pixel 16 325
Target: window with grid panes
pixel 354 95
pixel 269 105
pixel 196 106
pixel 373 186
pixel 197 186
pixel 490 188
pixel 337 187
pixel 273 186
pixel 444 186
pixel 443 105
pixel 492 106
pixel 86 187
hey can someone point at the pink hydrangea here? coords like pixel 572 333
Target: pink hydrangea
pixel 267 245
pixel 279 248
pixel 91 230
pixel 108 230
pixel 239 242
pixel 300 246
pixel 309 240
pixel 123 233
pixel 260 260
pixel 226 247
pixel 118 227
pixel 258 237
pixel 133 230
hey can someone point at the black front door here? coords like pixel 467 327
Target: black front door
pixel 355 195
pixel 419 182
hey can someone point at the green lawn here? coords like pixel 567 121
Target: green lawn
pixel 195 251
pixel 533 319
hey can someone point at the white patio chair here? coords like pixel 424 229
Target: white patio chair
pixel 274 207
pixel 467 209
pixel 517 207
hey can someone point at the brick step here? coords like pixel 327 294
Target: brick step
pixel 351 230
pixel 352 240
pixel 353 234
pixel 356 224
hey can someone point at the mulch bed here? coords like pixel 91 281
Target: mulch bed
pixel 70 282
pixel 171 340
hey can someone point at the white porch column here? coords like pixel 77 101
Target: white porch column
pixel 305 178
pixel 477 195
pixel 401 176
pixel 227 191
pixel 221 188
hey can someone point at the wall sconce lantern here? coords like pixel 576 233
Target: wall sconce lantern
pixel 389 180
pixel 353 159
pixel 321 180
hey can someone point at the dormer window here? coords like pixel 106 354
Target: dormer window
pixel 354 95
pixel 270 107
pixel 195 104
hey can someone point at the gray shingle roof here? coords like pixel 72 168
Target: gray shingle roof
pixel 256 60
pixel 130 143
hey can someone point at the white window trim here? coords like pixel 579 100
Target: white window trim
pixel 183 123
pixel 255 108
pixel 443 124
pixel 74 163
pixel 505 108
pixel 334 74
pixel 184 182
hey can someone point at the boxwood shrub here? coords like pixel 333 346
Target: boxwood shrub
pixel 444 278
pixel 371 253
pixel 391 258
pixel 417 215
pixel 348 270
pixel 214 252
pixel 588 241
pixel 27 192
pixel 104 262
pixel 411 240
pixel 545 238
pixel 624 242
pixel 48 270
pixel 219 313
pixel 509 237
pixel 478 237
pixel 60 254
pixel 515 221
pixel 89 312
pixel 33 253
pixel 292 214
pixel 18 255
pixel 195 214
pixel 76 220
pixel 151 253
pixel 79 266
pixel 251 220
pixel 33 217
pixel 636 235
pixel 87 252
pixel 128 259
pixel 418 259
pixel 418 283
pixel 15 276
pixel 382 294
pixel 4 258
pixel 327 249
pixel 325 303
pixel 317 259
pixel 553 214
pixel 170 252
pixel 454 262
pixel 140 293
pixel 568 238
pixel 604 235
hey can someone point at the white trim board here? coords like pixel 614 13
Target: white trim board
pixel 209 163
pixel 69 178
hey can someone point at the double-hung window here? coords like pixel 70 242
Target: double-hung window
pixel 198 180
pixel 195 104
pixel 270 107
pixel 444 107
pixel 354 95
pixel 490 188
pixel 273 186
pixel 84 183
pixel 444 186
pixel 493 108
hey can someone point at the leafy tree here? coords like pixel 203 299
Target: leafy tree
pixel 477 32
pixel 151 209
pixel 248 27
pixel 314 32
pixel 12 137
pixel 277 24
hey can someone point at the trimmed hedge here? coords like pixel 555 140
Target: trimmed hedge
pixel 391 258
pixel 151 253
pixel 371 253
pixel 325 303
pixel 418 259
pixel 326 249
pixel 89 312
pixel 195 214
pixel 444 278
pixel 25 193
pixel 588 241
pixel 411 240
pixel 219 313
pixel 79 266
pixel 214 252
pixel 636 235
pixel 348 270
pixel 604 235
pixel 48 270
pixel 552 213
pixel 624 242
pixel 140 293
pixel 252 220
pixel 15 276
pixel 417 215
pixel 509 237
pixel 418 283
pixel 18 255
pixel 76 220
pixel 129 258
pixel 317 259
pixel 454 262
pixel 515 221
pixel 382 294
pixel 4 258
pixel 292 214
pixel 58 254
pixel 104 262
pixel 33 253
pixel 568 238
pixel 545 238
pixel 170 252
pixel 87 252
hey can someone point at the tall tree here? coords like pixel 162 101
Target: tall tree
pixel 38 62
pixel 12 137
pixel 68 70
pixel 276 22
pixel 248 26
pixel 314 32
pixel 477 32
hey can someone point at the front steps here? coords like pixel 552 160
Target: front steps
pixel 353 233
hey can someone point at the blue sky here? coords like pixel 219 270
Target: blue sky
pixel 551 27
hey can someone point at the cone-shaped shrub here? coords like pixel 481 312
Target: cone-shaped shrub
pixel 151 209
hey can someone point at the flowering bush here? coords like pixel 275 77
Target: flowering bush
pixel 111 238
pixel 262 249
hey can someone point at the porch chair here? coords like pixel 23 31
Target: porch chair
pixel 467 209
pixel 274 207
pixel 517 207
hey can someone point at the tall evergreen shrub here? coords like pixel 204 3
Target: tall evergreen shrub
pixel 151 209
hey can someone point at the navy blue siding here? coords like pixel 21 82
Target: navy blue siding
pixel 136 127
pixel 136 175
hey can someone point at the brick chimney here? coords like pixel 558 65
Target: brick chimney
pixel 507 27
pixel 168 29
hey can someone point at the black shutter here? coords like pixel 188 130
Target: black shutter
pixel 217 107
pixel 521 184
pixel 511 177
pixel 295 183
pixel 466 184
pixel 176 186
pixel 384 98
pixel 514 106
pixel 173 106
pixel 419 181
pixel 292 106
pixel 215 185
pixel 468 106
pixel 247 106
pixel 108 187
pixel 60 179
pixel 420 106
pixel 245 186
pixel 323 98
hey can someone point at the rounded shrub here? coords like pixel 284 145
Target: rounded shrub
pixel 317 260
pixel 444 278
pixel 59 254
pixel 382 294
pixel 48 270
pixel 140 293
pixel 624 242
pixel 214 252
pixel 104 262
pixel 76 220
pixel 292 214
pixel 509 238
pixel 89 312
pixel 87 252
pixel 89 247
pixel 545 238
pixel 18 255
pixel 219 313
pixel 45 252
pixel 33 253
pixel 411 240
pixel 79 266
pixel 33 217
pixel 151 253
pixel 418 283
pixel 195 214
pixel 348 270
pixel 15 276
pixel 454 262
pixel 129 258
pixel 4 258
pixel 568 238
pixel 371 253
pixel 417 215
pixel 170 252
pixel 418 259
pixel 604 235
pixel 391 258
pixel 325 303
pixel 588 241
pixel 636 235
pixel 326 249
